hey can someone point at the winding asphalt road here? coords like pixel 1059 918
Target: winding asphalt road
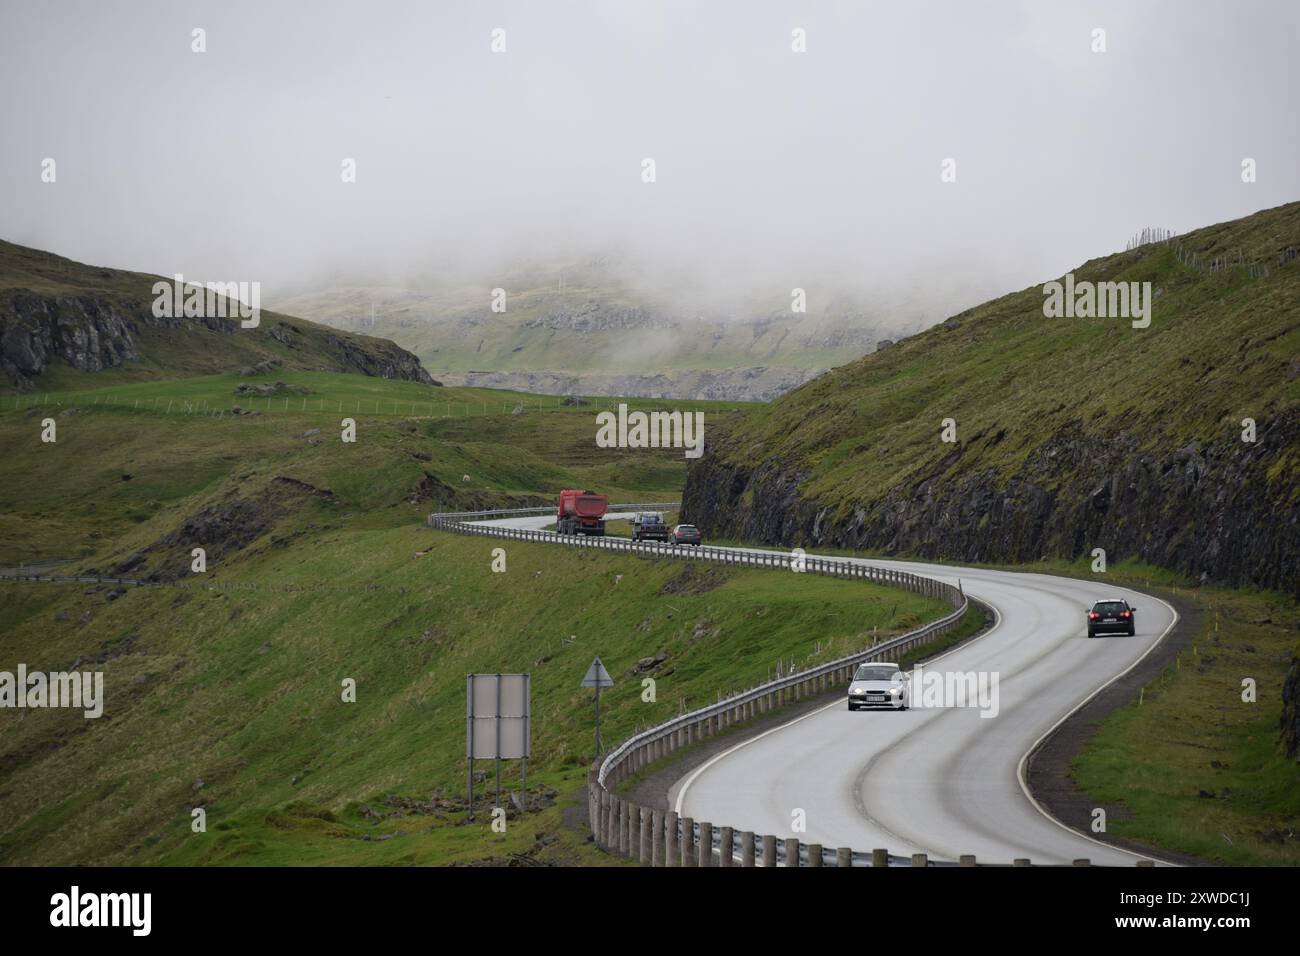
pixel 942 781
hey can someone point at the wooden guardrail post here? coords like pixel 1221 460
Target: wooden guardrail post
pixel 843 857
pixel 747 848
pixel 606 799
pixel 792 851
pixel 671 850
pixel 657 838
pixel 920 859
pixel 769 850
pixel 815 854
pixel 688 842
pixel 706 844
pixel 634 831
pixel 726 847
pixel 966 859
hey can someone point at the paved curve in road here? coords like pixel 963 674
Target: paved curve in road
pixel 933 780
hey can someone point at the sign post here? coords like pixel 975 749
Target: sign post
pixel 597 677
pixel 498 724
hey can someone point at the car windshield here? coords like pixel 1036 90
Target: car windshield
pixel 868 672
pixel 651 519
pixel 1109 607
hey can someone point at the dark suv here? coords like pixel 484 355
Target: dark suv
pixel 649 526
pixel 687 534
pixel 1114 616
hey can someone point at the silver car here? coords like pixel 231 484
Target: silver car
pixel 879 685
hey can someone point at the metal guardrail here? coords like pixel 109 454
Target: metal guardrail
pixel 610 814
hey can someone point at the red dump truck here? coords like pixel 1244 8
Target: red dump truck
pixel 581 512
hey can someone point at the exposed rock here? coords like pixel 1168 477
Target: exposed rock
pixel 264 389
pixel 695 579
pixel 1073 493
pixel 88 333
pixel 1291 709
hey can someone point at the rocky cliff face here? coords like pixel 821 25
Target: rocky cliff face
pixel 87 333
pixel 380 358
pixel 1224 512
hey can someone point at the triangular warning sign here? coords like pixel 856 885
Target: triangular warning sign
pixel 597 676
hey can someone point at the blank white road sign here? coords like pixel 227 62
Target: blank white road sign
pixel 497 717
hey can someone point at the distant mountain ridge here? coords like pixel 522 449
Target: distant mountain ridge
pixel 584 330
pixel 60 319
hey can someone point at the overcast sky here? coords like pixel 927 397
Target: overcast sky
pixel 774 169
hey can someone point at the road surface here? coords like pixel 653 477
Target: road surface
pixel 940 780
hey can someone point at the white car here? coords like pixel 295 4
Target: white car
pixel 879 685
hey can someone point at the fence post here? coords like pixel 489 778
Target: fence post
pixel 688 841
pixel 792 852
pixel 769 850
pixel 726 847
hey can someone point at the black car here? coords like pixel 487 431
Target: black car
pixel 649 526
pixel 687 534
pixel 1114 616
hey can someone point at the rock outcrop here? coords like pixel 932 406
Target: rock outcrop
pixel 1222 512
pixel 87 333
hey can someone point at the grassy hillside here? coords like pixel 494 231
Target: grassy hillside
pixel 1070 433
pixel 224 689
pixel 66 325
pixel 132 461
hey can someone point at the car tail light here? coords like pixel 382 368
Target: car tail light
pixel 1123 613
pixel 1093 615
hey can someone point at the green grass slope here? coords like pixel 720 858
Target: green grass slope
pixel 224 691
pixel 133 461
